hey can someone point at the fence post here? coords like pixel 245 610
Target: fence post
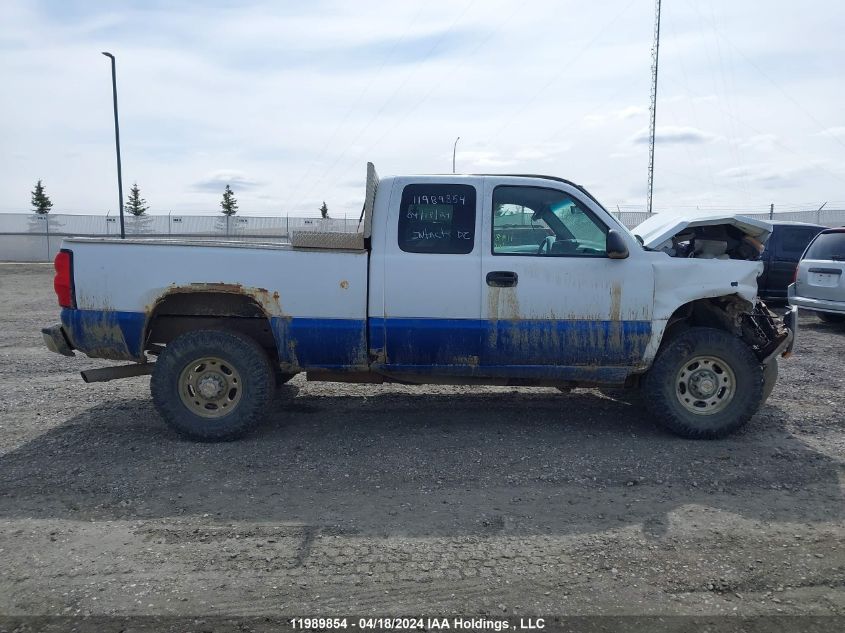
pixel 287 225
pixel 772 211
pixel 47 218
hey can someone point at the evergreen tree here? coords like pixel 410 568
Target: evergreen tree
pixel 229 203
pixel 41 202
pixel 135 204
pixel 324 211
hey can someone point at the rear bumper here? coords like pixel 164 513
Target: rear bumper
pixel 819 305
pixel 56 340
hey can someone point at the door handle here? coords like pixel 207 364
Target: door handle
pixel 502 279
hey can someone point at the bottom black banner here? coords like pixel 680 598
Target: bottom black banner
pixel 398 624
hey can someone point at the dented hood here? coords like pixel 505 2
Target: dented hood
pixel 661 227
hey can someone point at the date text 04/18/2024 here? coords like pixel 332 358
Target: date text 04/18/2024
pixel 420 623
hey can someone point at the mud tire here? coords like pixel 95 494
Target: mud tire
pixel 661 390
pixel 240 352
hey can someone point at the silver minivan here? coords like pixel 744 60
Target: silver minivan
pixel 820 277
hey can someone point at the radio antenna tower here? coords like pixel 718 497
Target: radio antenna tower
pixel 655 56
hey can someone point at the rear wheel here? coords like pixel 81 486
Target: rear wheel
pixel 211 385
pixel 704 384
pixel 831 317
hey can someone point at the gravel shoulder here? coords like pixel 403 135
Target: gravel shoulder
pixel 409 500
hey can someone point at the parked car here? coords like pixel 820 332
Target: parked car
pixel 820 277
pixel 780 258
pixel 436 288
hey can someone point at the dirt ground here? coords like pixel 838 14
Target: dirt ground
pixel 374 500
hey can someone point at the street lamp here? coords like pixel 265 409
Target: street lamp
pixel 117 143
pixel 454 149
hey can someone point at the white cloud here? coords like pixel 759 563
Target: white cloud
pixel 764 142
pixel 675 134
pixel 217 181
pixel 482 159
pixel 835 132
pixel 287 101
pixel 629 112
pixel 767 175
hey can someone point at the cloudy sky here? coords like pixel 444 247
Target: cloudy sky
pixel 286 101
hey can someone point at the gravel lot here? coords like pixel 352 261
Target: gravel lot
pixel 411 500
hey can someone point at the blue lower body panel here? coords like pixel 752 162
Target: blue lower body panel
pixel 107 334
pixel 603 351
pixel 566 343
pixel 337 344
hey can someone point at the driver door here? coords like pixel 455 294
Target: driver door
pixel 554 305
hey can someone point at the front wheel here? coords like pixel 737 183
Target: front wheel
pixel 705 384
pixel 211 385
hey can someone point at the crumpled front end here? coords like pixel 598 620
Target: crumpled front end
pixel 720 294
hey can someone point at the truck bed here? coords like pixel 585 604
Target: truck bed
pixel 315 298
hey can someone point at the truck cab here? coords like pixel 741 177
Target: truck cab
pixel 466 279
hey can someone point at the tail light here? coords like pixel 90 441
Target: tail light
pixel 63 281
pixel 795 274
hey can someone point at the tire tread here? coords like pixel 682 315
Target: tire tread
pixel 241 350
pixel 659 384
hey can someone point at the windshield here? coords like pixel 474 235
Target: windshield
pixel 828 246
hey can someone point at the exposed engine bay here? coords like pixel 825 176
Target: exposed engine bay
pixel 713 237
pixel 714 242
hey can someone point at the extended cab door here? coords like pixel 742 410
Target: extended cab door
pixel 425 299
pixel 554 305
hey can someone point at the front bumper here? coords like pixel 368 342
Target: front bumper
pixel 790 320
pixel 56 340
pixel 786 343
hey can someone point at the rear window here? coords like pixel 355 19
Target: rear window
pixel 437 218
pixel 827 246
pixel 793 241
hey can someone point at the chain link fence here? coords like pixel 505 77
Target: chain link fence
pixel 28 237
pixel 33 237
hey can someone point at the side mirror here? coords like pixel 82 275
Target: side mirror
pixel 615 245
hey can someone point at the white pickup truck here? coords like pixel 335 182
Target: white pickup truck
pixel 456 279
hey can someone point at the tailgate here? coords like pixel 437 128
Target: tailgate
pixel 820 279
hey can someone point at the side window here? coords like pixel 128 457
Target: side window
pixel 540 221
pixel 436 218
pixel 793 241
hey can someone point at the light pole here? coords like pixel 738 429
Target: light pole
pixel 117 143
pixel 454 149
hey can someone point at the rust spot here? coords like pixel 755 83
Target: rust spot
pixel 269 302
pixel 344 284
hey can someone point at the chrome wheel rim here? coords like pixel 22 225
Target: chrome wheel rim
pixel 705 385
pixel 210 387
